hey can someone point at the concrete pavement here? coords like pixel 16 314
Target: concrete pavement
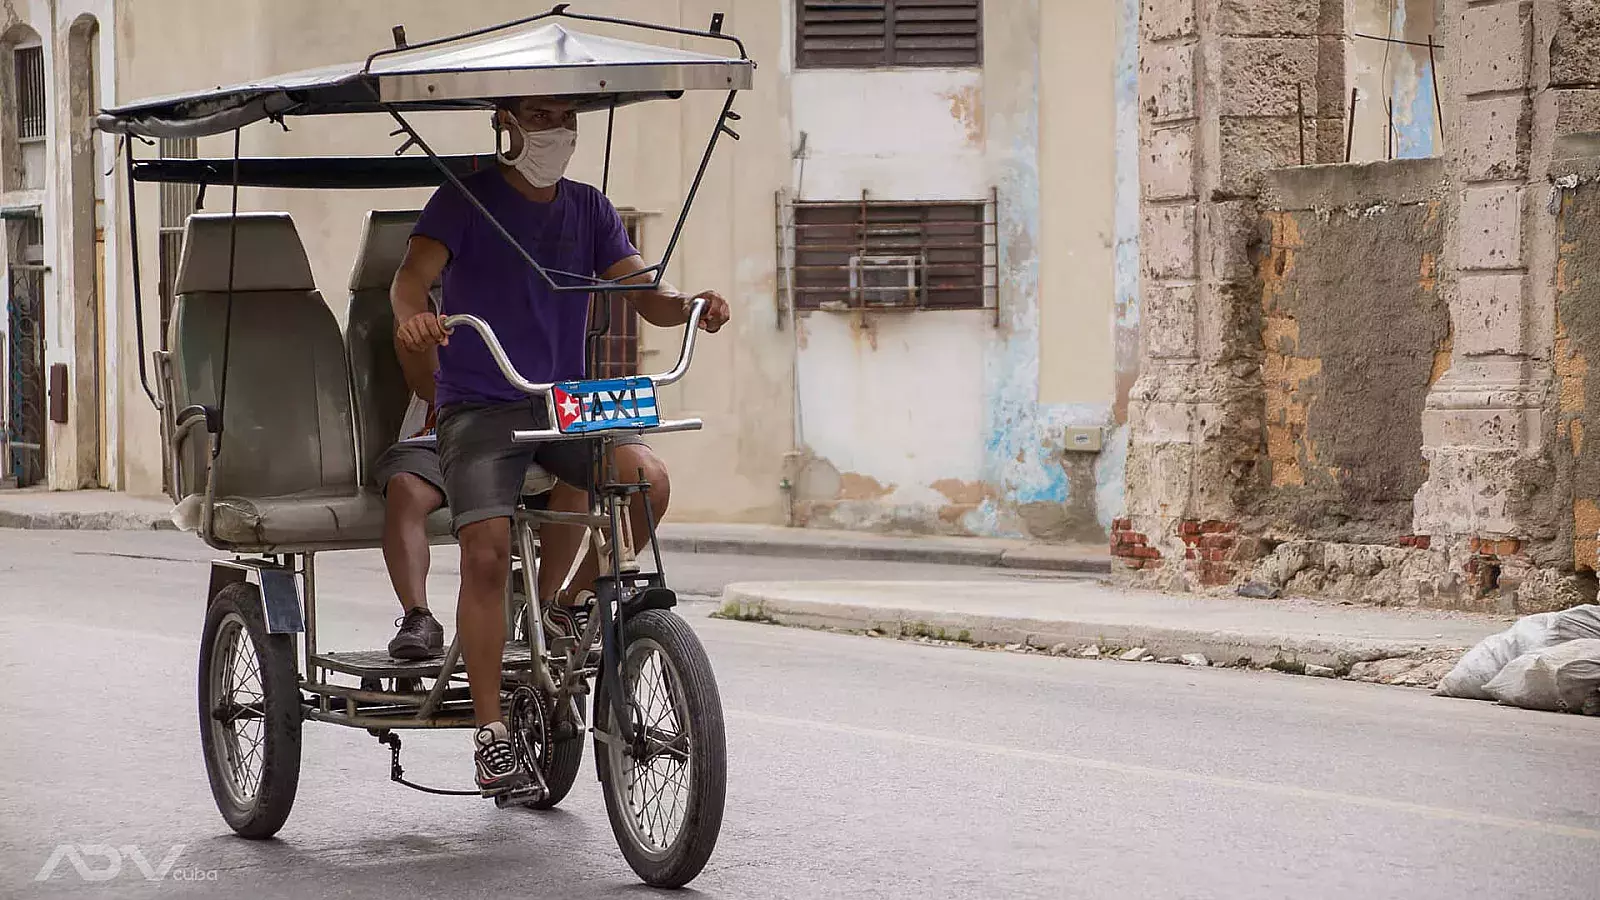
pixel 1080 612
pixel 856 767
pixel 33 508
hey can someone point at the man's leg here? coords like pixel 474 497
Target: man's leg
pixel 483 475
pixel 408 500
pixel 480 611
pixel 413 488
pixel 560 543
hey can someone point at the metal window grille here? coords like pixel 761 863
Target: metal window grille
pixel 177 203
pixel 30 93
pixel 618 355
pixel 870 33
pixel 888 255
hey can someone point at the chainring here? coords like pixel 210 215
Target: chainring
pixel 530 729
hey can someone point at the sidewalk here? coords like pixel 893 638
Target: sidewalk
pixel 87 510
pixel 1072 616
pixel 115 511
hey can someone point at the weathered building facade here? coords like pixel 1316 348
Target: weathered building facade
pixel 58 394
pixel 928 234
pixel 1367 379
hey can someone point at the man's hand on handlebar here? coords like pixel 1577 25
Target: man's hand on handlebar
pixel 716 314
pixel 421 332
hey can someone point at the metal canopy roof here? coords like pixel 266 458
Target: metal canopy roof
pixel 471 71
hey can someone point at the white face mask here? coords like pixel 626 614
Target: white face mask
pixel 544 155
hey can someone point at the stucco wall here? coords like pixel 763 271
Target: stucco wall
pixel 955 421
pixel 980 447
pixel 742 378
pixel 73 331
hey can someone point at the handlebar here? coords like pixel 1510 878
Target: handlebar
pixel 498 353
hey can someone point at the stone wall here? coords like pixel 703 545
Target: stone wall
pixel 1371 381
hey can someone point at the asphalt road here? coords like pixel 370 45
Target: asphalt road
pixel 858 767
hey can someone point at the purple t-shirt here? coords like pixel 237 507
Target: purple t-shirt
pixel 542 331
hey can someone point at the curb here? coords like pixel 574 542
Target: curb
pixel 85 521
pixel 1221 647
pixel 955 556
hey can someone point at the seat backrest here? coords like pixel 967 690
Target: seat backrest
pixel 376 380
pixel 287 424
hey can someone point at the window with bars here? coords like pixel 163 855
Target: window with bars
pixel 618 354
pixel 833 34
pixel 891 255
pixel 30 93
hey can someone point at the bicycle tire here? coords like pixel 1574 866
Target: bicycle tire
pixel 691 689
pixel 236 615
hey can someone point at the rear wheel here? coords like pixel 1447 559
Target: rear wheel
pixel 250 713
pixel 666 783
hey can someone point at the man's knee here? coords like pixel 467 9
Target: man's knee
pixel 411 494
pixel 637 462
pixel 485 550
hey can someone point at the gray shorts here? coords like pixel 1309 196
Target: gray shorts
pixel 484 470
pixel 419 458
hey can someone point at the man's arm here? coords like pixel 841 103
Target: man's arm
pixel 666 306
pixel 417 329
pixel 419 369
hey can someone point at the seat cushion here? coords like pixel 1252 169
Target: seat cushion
pixel 310 518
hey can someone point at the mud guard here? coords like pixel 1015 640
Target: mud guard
pixel 280 586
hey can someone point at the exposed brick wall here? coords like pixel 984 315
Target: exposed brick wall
pixel 1131 548
pixel 1209 549
pixel 1489 559
pixel 1415 541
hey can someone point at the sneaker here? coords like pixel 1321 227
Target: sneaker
pixel 421 636
pixel 500 769
pixel 564 621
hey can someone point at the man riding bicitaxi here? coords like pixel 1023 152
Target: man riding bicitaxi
pixel 566 226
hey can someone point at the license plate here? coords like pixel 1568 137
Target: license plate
pixel 611 404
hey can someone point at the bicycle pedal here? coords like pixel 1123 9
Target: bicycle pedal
pixel 517 796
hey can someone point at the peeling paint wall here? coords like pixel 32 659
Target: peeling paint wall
pixel 949 420
pixel 1397 76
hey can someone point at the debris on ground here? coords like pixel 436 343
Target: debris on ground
pixel 1090 652
pixel 1195 659
pixel 1316 671
pixel 1531 635
pixel 1562 678
pixel 1422 669
pixel 1135 655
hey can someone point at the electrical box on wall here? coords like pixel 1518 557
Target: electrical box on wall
pixel 1085 440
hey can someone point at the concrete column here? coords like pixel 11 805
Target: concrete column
pixel 1218 106
pixel 1484 426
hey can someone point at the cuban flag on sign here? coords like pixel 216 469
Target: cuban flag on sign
pixel 612 403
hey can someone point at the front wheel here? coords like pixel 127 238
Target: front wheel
pixel 666 783
pixel 249 713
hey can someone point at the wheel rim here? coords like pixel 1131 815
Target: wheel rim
pixel 238 711
pixel 653 786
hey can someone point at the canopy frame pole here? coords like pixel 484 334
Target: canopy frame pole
pixel 592 283
pixel 600 325
pixel 138 282
pixel 227 322
pixel 587 283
